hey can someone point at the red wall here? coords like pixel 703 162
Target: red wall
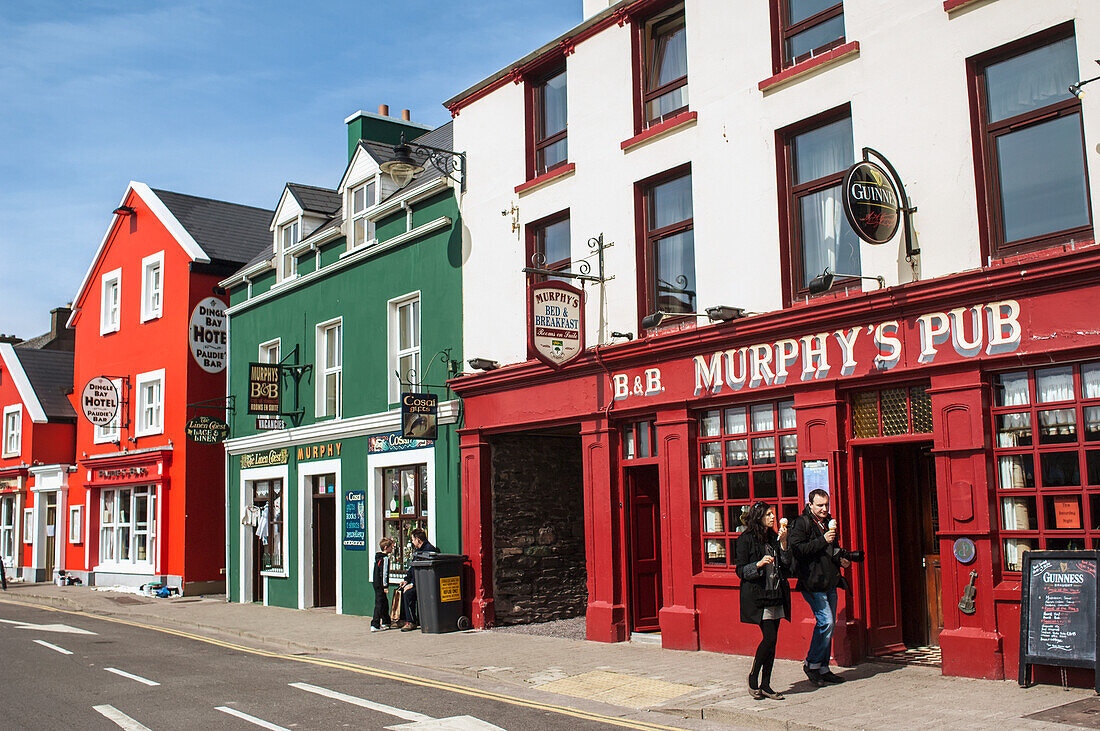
pixel 140 347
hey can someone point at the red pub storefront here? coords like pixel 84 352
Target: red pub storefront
pixel 955 423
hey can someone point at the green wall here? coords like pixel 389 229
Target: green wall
pixel 359 293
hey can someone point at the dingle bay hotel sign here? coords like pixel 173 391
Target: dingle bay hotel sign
pixel 99 401
pixel 556 329
pixel 264 388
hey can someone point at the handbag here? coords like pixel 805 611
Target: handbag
pixel 773 579
pixel 395 608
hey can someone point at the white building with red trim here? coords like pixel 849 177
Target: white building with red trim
pixel 707 144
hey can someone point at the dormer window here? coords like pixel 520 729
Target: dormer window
pixel 362 198
pixel 288 237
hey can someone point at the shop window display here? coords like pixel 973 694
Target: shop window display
pixel 405 506
pixel 746 453
pixel 268 501
pixel 1047 459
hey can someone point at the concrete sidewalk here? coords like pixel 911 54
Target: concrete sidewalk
pixel 703 685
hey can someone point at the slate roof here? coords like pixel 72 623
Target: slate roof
pixel 227 232
pixel 314 199
pixel 51 375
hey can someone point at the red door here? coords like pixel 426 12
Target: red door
pixel 645 547
pixel 884 626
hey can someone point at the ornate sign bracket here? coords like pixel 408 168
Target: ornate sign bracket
pixel 584 266
pixel 906 210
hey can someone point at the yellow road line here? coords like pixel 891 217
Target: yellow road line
pixel 364 670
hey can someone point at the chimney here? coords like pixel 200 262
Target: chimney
pixel 10 339
pixel 595 7
pixel 61 337
pixel 406 115
pixel 384 110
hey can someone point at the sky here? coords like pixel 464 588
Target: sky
pixel 225 99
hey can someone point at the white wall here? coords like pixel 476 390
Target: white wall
pixel 909 99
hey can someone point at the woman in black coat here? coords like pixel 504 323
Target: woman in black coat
pixel 763 563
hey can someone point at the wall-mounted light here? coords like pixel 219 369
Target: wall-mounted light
pixel 718 313
pixel 617 334
pixel 124 211
pixel 409 159
pixel 824 281
pixel 483 364
pixel 1075 89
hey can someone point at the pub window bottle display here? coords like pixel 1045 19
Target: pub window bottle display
pixel 1047 459
pixel 746 453
pixel 405 496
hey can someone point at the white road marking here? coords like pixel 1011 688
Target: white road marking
pixel 120 718
pixel 131 676
pixel 251 719
pixel 362 702
pixel 62 650
pixel 63 628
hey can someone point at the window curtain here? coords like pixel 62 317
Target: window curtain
pixel 1090 380
pixel 554 112
pixel 1031 80
pixel 669 58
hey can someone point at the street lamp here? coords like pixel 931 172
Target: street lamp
pixel 409 158
pixel 1075 89
pixel 483 364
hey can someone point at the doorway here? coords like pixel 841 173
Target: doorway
pixel 643 486
pixel 324 550
pixel 898 487
pixel 51 534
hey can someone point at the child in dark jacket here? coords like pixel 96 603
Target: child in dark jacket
pixel 381 581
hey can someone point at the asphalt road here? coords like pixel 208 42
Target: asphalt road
pixel 61 670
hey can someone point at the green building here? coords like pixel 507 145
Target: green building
pixel 358 300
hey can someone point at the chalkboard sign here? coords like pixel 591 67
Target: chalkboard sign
pixel 1059 614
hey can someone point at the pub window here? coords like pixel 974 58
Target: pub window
pixel 8 512
pixel 746 453
pixel 330 359
pixel 639 440
pixel 13 428
pixel 548 246
pixel 891 412
pixel 287 239
pixel 150 403
pixel 110 313
pixel 663 87
pixel 817 155
pixel 803 29
pixel 1031 167
pixel 1047 459
pixel 127 526
pixel 667 250
pixel 405 506
pixel 362 198
pixel 268 500
pixel 548 142
pixel 152 286
pixel 404 337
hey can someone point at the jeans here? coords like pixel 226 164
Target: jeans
pixel 823 605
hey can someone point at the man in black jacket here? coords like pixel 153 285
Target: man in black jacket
pixel 818 561
pixel 422 547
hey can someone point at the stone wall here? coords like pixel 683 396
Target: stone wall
pixel 539 571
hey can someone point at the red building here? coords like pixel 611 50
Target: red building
pixel 964 407
pixel 36 455
pixel 149 318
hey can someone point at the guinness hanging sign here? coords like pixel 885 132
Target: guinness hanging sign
pixel 871 202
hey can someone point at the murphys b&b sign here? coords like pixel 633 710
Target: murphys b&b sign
pixel 555 332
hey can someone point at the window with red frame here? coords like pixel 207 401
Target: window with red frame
pixel 746 453
pixel 549 113
pixel 818 153
pixel 1047 459
pixel 1032 166
pixel 664 82
pixel 548 246
pixel 806 28
pixel 667 256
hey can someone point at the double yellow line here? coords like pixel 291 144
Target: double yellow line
pixel 364 670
